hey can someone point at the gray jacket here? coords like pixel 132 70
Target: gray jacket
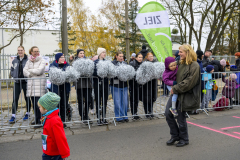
pixel 15 66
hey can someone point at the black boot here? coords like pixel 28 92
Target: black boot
pixel 172 141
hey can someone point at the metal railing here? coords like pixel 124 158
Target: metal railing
pixel 109 108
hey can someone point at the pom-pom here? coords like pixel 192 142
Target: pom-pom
pixel 57 76
pixel 159 68
pixel 106 69
pixel 84 66
pixel 145 72
pixel 111 70
pixel 125 72
pixel 102 69
pixel 71 74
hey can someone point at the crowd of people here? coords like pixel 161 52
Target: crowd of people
pixel 189 77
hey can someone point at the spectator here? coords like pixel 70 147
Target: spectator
pixel 149 91
pixel 206 57
pixel 133 57
pixel 134 87
pixel 188 89
pixel 120 92
pixel 100 90
pixel 17 72
pixel 71 59
pixel 236 68
pixel 84 91
pixel 229 88
pixel 35 69
pixel 144 51
pixel 208 83
pixel 227 65
pixel 61 90
pixel 177 57
pixel 169 78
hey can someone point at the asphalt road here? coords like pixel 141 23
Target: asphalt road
pixel 210 138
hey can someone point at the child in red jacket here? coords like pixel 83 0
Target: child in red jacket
pixel 54 141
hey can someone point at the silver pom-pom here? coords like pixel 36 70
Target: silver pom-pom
pixel 159 68
pixel 71 74
pixel 111 70
pixel 106 69
pixel 84 66
pixel 125 72
pixel 145 72
pixel 102 69
pixel 57 76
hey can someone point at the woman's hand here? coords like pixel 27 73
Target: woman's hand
pixel 224 74
pixel 172 91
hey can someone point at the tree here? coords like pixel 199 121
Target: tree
pixel 23 15
pixel 199 16
pixel 91 31
pixel 71 39
pixel 136 39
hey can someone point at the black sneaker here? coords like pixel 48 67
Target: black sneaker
pixel 126 120
pixel 135 117
pixel 148 116
pixel 105 122
pixel 64 125
pixel 99 123
pixel 121 121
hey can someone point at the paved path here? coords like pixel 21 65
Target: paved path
pixel 211 137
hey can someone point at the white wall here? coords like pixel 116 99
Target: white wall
pixel 44 39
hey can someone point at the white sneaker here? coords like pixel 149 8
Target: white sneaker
pixel 92 112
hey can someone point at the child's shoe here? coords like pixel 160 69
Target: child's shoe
pixel 12 120
pixel 174 112
pixel 26 117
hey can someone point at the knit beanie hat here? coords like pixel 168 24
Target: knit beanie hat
pixel 233 76
pixel 199 54
pixel 49 101
pixel 100 50
pixel 133 54
pixel 223 62
pixel 58 55
pixel 144 47
pixel 209 68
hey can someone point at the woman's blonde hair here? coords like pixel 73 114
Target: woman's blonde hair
pixel 148 54
pixel 191 54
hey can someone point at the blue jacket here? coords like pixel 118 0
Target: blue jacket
pixel 67 85
pixel 95 72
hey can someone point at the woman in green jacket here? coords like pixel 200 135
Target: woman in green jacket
pixel 188 88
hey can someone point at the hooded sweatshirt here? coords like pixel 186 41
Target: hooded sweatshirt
pixel 169 76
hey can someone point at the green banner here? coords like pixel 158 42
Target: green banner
pixel 152 20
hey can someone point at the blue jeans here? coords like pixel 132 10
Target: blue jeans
pixel 120 97
pixel 174 97
pixel 47 157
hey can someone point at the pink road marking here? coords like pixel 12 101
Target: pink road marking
pixel 236 132
pixel 231 127
pixel 235 117
pixel 214 130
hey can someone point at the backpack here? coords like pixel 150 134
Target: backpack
pixel 222 102
pixel 214 92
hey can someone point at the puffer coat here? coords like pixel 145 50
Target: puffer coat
pixel 35 86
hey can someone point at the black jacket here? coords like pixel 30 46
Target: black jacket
pixel 205 61
pixel 115 81
pixel 17 67
pixel 135 64
pixel 237 64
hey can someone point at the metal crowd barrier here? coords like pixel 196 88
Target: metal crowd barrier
pixel 221 97
pixel 77 95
